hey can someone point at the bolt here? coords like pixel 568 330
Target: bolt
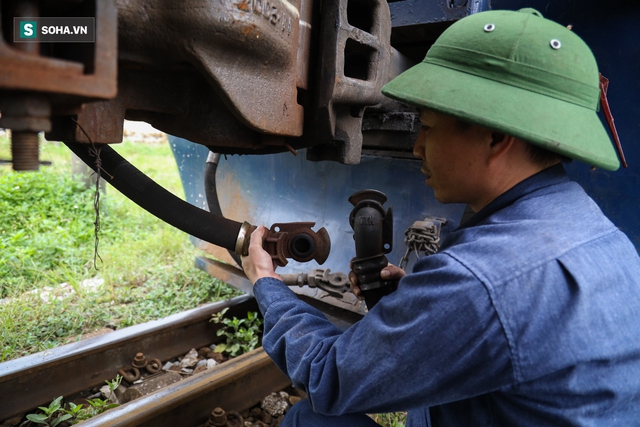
pixel 139 361
pixel 25 151
pixel 218 417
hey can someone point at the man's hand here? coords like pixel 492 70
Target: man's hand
pixel 258 263
pixel 390 272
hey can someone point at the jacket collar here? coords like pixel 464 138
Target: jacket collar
pixel 547 177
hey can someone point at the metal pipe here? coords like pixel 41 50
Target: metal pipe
pixel 373 235
pixel 211 193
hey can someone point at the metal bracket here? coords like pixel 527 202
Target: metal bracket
pixel 335 284
pixel 355 55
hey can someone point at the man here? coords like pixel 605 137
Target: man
pixel 529 314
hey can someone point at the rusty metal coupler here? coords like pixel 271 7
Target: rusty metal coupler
pixel 373 235
pixel 294 240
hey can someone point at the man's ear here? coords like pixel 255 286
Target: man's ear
pixel 500 145
pixel 496 138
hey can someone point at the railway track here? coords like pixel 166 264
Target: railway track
pixel 235 385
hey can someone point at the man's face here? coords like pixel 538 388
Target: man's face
pixel 452 160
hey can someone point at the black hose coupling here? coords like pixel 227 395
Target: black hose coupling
pixel 373 235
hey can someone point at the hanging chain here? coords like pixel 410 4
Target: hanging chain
pixel 422 237
pixel 95 153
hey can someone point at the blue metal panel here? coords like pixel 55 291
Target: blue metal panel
pixel 285 188
pixel 418 12
pixel 611 29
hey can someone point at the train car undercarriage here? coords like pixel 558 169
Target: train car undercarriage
pixel 286 95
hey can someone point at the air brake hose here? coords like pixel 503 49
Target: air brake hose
pixel 153 198
pixel 211 192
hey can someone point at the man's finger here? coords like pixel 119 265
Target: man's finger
pixel 353 278
pixel 256 236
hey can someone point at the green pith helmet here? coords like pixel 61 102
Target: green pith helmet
pixel 517 73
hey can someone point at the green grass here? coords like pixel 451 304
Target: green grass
pixel 47 238
pixel 393 419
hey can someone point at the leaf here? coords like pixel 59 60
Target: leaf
pixel 38 418
pixel 220 348
pixel 234 349
pixel 97 402
pixel 73 408
pixel 60 419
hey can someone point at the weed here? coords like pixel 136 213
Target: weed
pixel 242 335
pixel 74 410
pixel 46 239
pixel 115 383
pixel 56 412
pixel 393 419
pixel 48 414
pixel 96 407
pixel 45 224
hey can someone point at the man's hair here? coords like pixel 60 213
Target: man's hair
pixel 538 155
pixel 543 157
pixel 462 127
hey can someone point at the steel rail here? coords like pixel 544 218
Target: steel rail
pixel 35 380
pixel 236 385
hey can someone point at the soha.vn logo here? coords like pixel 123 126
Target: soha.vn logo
pixel 28 29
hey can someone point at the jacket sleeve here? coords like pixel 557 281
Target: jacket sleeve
pixel 436 339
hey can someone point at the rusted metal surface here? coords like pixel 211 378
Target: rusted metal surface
pixel 24 150
pixel 38 82
pixel 341 310
pixel 223 74
pixel 304 43
pixel 83 76
pixel 220 418
pixel 296 240
pixel 33 380
pixel 237 75
pixel 176 99
pixel 245 49
pixel 129 373
pixel 235 385
pixel 217 417
pixel 335 284
pixel 355 57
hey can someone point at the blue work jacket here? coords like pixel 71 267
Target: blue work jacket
pixel 529 315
